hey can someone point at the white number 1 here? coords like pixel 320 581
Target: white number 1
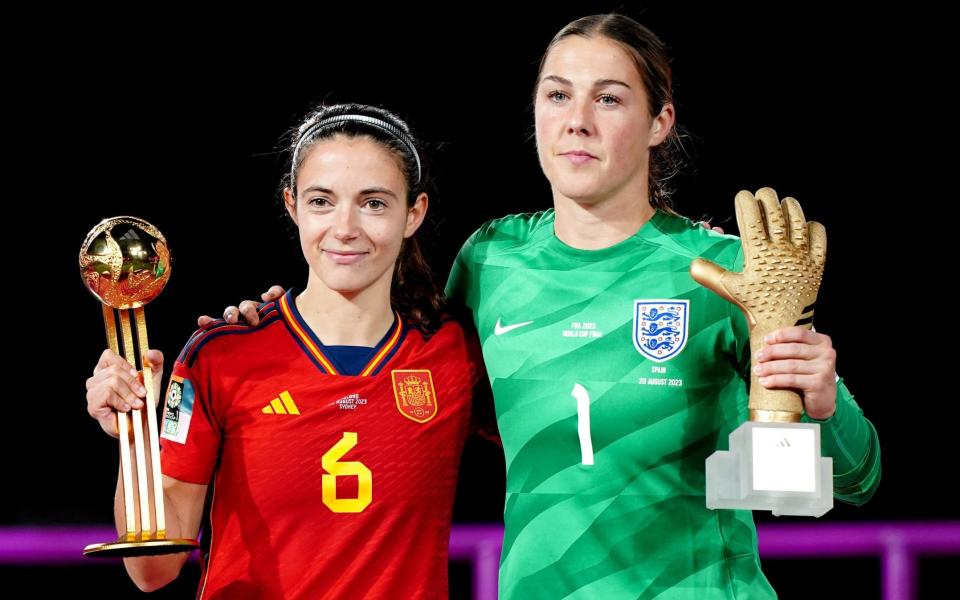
pixel 583 423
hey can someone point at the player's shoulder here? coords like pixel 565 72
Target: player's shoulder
pixel 691 239
pixel 210 339
pixel 454 339
pixel 512 230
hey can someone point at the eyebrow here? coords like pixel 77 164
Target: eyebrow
pixel 597 84
pixel 363 192
pixel 377 190
pixel 318 188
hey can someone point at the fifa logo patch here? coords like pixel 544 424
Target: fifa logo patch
pixel 660 327
pixel 415 395
pixel 177 410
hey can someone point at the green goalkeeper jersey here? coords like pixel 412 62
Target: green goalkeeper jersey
pixel 615 376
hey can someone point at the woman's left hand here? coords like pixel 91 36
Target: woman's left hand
pixel 804 360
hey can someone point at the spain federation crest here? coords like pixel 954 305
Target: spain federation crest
pixel 416 397
pixel 660 327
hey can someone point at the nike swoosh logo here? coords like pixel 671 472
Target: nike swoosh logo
pixel 500 330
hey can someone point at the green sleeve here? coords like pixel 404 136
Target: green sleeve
pixel 851 441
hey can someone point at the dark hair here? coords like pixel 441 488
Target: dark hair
pixel 650 56
pixel 413 292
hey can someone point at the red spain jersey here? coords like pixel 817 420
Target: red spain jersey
pixel 324 485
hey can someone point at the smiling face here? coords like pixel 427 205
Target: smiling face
pixel 594 129
pixel 352 214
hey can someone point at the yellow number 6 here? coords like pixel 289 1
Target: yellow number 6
pixel 331 465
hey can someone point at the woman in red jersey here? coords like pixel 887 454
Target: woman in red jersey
pixel 328 437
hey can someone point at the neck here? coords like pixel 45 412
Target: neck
pixel 342 319
pixel 595 225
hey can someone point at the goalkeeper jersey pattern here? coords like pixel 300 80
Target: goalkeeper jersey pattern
pixel 615 376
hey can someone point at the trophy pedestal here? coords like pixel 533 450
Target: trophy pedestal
pixel 122 547
pixel 772 466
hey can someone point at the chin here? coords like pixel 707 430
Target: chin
pixel 344 285
pixel 581 188
pixel 351 283
pixel 580 194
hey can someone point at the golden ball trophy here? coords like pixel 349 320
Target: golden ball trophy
pixel 125 263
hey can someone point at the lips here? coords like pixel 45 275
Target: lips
pixel 578 157
pixel 345 257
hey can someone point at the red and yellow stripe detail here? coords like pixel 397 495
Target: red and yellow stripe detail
pixel 317 353
pixel 387 348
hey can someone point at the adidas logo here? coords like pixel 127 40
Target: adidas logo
pixel 784 443
pixel 284 405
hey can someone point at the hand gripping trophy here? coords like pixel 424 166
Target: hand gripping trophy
pixel 774 461
pixel 125 263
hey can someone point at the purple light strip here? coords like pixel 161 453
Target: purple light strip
pixel 50 545
pixel 899 572
pixel 859 539
pixel 480 544
pixel 896 543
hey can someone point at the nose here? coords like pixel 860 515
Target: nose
pixel 347 221
pixel 580 118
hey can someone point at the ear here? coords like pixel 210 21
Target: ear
pixel 662 124
pixel 290 202
pixel 416 215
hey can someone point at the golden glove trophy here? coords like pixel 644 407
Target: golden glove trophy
pixel 774 461
pixel 125 263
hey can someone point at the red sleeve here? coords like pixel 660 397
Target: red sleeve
pixel 190 432
pixel 483 420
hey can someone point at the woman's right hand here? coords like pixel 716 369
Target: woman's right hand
pixel 247 310
pixel 117 387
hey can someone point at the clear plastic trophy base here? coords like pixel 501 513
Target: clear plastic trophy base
pixel 772 466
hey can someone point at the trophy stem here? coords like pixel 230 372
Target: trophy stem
pixel 139 448
pixel 145 490
pixel 123 430
pixel 152 428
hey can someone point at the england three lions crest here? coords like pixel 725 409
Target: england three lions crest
pixel 660 327
pixel 415 394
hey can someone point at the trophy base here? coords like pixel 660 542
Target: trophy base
pixel 772 466
pixel 123 548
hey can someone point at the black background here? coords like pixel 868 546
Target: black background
pixel 178 119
